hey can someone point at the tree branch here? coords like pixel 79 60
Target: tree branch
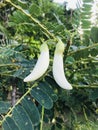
pixel 33 19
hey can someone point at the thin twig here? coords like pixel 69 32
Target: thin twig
pixel 86 48
pixel 41 125
pixel 85 86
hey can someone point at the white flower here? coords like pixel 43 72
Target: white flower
pixel 58 68
pixel 41 65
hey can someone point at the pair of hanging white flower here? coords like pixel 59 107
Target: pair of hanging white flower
pixel 43 63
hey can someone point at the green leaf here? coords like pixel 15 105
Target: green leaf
pixel 35 10
pixel 45 87
pixel 3 29
pixel 70 60
pixel 51 82
pixel 84 16
pixel 18 73
pixel 22 119
pixel 18 17
pixel 94 34
pixel 4 106
pixel 81 54
pixel 86 23
pixel 94 95
pixel 9 124
pixel 87 7
pixel 86 13
pixel 42 97
pixel 32 110
pixel 58 28
pixel 23 4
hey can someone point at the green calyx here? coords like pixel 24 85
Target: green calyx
pixel 59 47
pixel 44 47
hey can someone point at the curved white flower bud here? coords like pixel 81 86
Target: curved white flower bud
pixel 41 65
pixel 58 68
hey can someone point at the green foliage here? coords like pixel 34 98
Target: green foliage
pixel 4 106
pixel 94 34
pixel 25 113
pixel 9 121
pixel 43 103
pixel 89 18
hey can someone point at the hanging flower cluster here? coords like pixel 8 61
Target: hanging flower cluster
pixel 43 63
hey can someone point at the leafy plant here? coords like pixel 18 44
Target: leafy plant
pixel 42 104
